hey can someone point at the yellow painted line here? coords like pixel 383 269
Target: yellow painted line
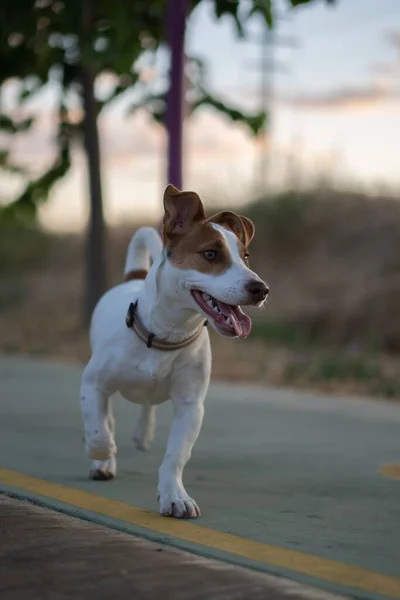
pixel 392 471
pixel 314 566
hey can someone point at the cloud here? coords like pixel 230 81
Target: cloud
pixel 125 141
pixel 345 99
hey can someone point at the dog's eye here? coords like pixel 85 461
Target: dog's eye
pixel 210 254
pixel 246 257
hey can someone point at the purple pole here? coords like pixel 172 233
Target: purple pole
pixel 176 18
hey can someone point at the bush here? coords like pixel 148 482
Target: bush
pixel 281 216
pixel 21 247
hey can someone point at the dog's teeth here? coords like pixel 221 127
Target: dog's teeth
pixel 210 303
pixel 206 297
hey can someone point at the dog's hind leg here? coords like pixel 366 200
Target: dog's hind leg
pixel 143 430
pixel 104 470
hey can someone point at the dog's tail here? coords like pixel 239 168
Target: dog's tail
pixel 144 247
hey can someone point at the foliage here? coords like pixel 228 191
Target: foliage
pixel 46 41
pixel 199 96
pixel 43 41
pixel 21 247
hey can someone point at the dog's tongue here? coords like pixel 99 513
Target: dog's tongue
pixel 241 322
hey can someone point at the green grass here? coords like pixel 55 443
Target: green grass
pixel 331 367
pixel 281 332
pixel 316 362
pixel 339 367
pixel 303 336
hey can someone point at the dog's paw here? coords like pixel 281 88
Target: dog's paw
pixel 103 470
pixel 142 444
pixel 143 435
pixel 100 447
pixel 178 505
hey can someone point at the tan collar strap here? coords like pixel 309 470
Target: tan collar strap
pixel 133 322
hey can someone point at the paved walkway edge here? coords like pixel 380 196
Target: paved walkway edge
pixel 295 578
pixel 47 537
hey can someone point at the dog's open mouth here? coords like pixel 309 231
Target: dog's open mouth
pixel 228 319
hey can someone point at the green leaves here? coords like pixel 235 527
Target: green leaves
pixel 264 8
pixel 5 164
pixel 231 8
pixel 8 125
pixel 254 122
pixel 295 3
pixel 24 208
pixel 44 41
pixel 200 96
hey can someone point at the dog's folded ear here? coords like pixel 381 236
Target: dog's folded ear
pixel 249 229
pixel 241 226
pixel 181 211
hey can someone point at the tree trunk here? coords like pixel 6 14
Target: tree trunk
pixel 176 18
pixel 95 280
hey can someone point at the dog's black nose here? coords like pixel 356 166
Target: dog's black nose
pixel 258 290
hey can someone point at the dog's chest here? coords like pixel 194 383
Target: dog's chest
pixel 146 381
pixel 146 392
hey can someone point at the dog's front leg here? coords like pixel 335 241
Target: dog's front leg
pixel 173 499
pixel 99 437
pixel 188 391
pixel 104 470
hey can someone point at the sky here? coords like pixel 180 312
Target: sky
pixel 334 112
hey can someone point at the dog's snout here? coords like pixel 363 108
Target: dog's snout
pixel 258 290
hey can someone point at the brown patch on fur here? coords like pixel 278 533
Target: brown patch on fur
pixel 188 251
pixel 135 274
pixel 188 234
pixel 181 211
pixel 249 229
pixel 241 226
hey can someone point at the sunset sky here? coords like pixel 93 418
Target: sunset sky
pixel 335 111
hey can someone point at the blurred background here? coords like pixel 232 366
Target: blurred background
pixel 287 109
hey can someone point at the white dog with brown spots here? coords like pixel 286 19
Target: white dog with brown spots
pixel 149 341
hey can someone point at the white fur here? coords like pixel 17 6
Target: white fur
pixel 143 246
pixel 143 431
pixel 121 362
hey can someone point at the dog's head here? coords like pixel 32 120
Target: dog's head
pixel 208 262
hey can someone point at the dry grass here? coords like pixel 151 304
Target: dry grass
pixel 333 263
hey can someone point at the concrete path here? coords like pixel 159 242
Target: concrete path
pixel 294 484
